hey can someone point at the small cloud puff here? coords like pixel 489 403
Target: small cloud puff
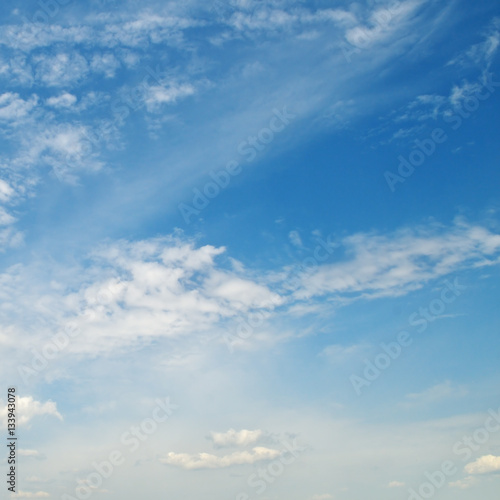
pixel 484 465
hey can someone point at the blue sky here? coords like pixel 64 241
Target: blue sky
pixel 262 235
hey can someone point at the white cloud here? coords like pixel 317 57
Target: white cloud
pixel 392 265
pixel 6 191
pixel 28 408
pixel 28 453
pixel 262 17
pixel 5 218
pixel 17 70
pixel 237 290
pixel 209 461
pixel 339 354
pixel 27 36
pixel 159 94
pixel 484 465
pixel 162 287
pixel 136 29
pixel 464 484
pixel 235 438
pixel 105 63
pixel 64 100
pixel 13 108
pixel 396 484
pixel 10 238
pixel 323 496
pixel 67 148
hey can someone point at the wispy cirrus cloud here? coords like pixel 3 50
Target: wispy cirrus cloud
pixel 481 53
pixel 392 265
pixel 31 494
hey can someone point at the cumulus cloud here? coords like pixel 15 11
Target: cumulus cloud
pixel 255 18
pixel 6 191
pixel 105 63
pixel 161 287
pixel 68 149
pixel 483 52
pixel 295 239
pixel 158 95
pixel 483 465
pixel 5 218
pixel 61 69
pixel 10 238
pixel 29 453
pixel 131 293
pixel 13 108
pixel 64 100
pixel 209 461
pixel 461 92
pixel 235 438
pixel 28 409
